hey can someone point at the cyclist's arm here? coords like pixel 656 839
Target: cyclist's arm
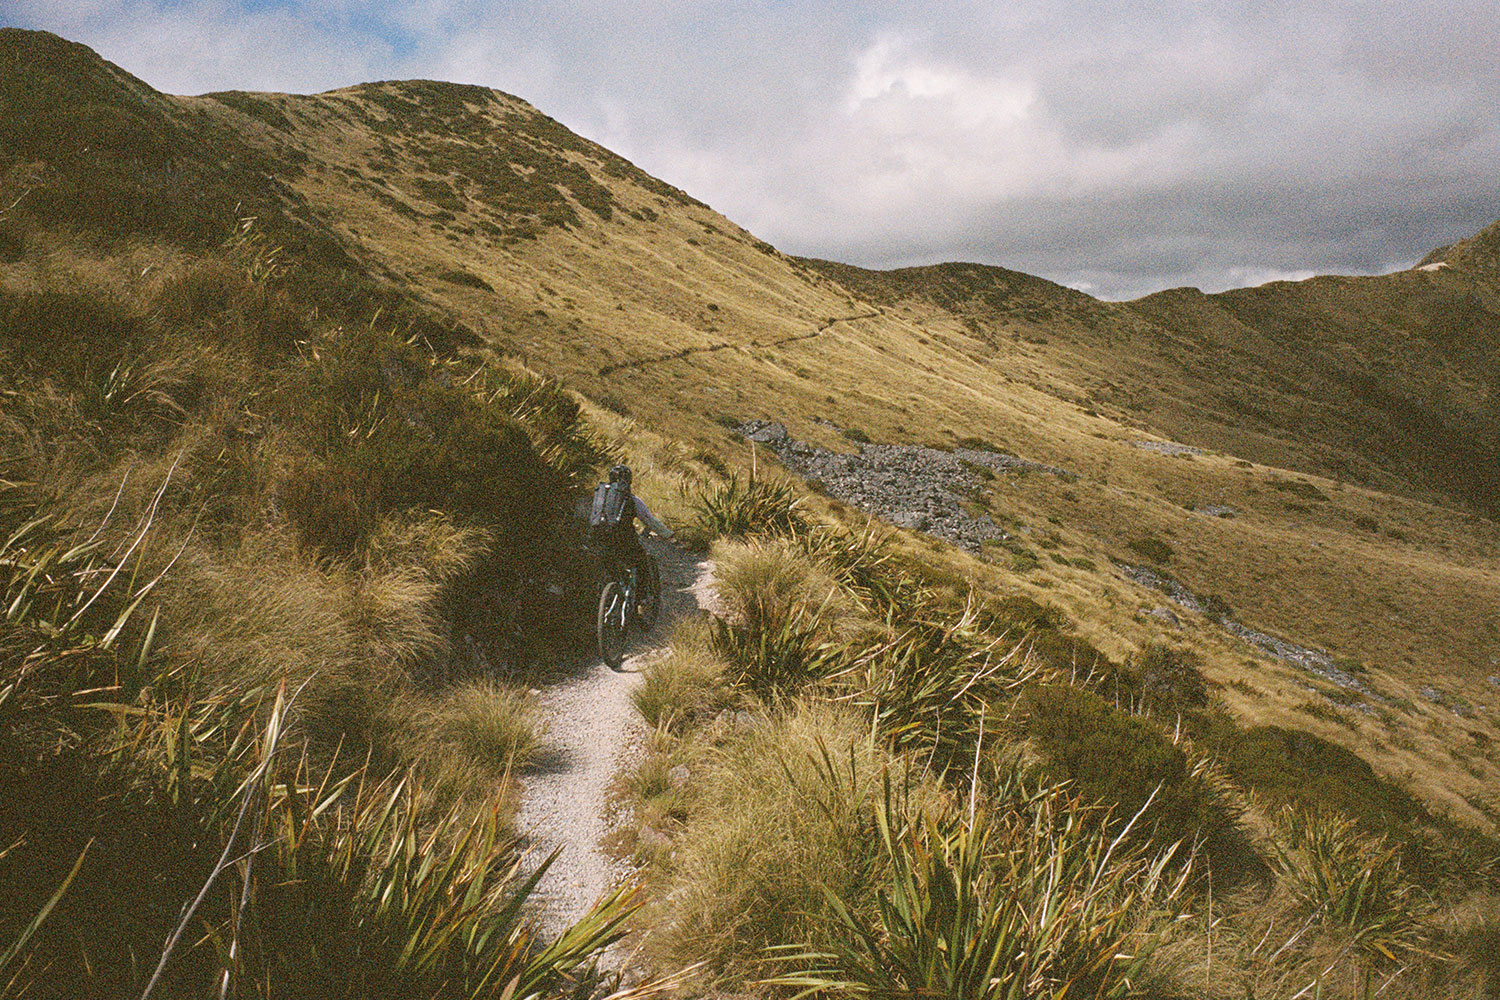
pixel 649 519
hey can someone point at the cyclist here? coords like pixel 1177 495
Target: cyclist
pixel 612 523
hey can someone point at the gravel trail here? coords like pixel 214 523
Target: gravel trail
pixel 592 733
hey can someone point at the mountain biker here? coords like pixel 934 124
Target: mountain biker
pixel 612 525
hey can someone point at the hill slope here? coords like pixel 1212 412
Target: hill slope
pixel 1340 432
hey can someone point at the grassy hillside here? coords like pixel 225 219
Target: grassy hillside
pixel 295 357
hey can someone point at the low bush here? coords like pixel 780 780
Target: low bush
pixel 1151 549
pixel 1062 655
pixel 215 301
pixel 1168 679
pixel 1287 766
pixel 1025 614
pixel 1124 761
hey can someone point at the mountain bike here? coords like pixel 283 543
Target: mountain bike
pixel 627 603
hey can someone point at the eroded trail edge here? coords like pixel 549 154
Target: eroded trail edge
pixel 592 732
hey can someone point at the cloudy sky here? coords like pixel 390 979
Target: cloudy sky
pixel 1117 147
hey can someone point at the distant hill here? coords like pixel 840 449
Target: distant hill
pixel 1392 381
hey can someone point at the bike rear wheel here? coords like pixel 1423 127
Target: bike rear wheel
pixel 610 625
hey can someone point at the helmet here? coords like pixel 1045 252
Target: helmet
pixel 620 473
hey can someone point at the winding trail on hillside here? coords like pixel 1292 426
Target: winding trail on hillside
pixel 687 352
pixel 592 732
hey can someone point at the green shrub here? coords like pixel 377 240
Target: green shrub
pixel 217 302
pixel 1287 766
pixel 1168 679
pixel 1151 549
pixel 1123 761
pixel 978 444
pixel 1216 607
pixel 1025 614
pixel 1062 654
pixel 1299 487
pixel 856 435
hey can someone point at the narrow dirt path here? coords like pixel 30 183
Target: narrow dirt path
pixel 688 352
pixel 592 733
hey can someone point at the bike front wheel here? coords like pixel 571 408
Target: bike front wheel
pixel 610 625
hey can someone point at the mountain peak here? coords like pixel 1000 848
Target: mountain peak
pixel 1481 250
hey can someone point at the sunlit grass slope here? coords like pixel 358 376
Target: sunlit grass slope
pixel 1342 428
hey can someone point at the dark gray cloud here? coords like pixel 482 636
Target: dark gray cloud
pixel 1121 148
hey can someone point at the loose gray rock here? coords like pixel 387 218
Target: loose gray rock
pixel 679 776
pixel 1314 661
pixel 652 839
pixel 763 432
pixel 1168 448
pixel 911 486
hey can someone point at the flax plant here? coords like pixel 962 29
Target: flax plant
pixel 736 508
pixel 1023 897
pixel 1351 883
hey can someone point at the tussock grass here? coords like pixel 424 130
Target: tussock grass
pixel 780 815
pixel 687 687
pixel 737 508
pixel 764 582
pixel 497 726
pixel 242 499
pixel 1351 883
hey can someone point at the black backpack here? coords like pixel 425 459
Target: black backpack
pixel 613 509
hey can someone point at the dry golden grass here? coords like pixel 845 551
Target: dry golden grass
pixel 764 582
pixel 676 323
pixel 778 810
pixel 685 688
pixel 609 292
